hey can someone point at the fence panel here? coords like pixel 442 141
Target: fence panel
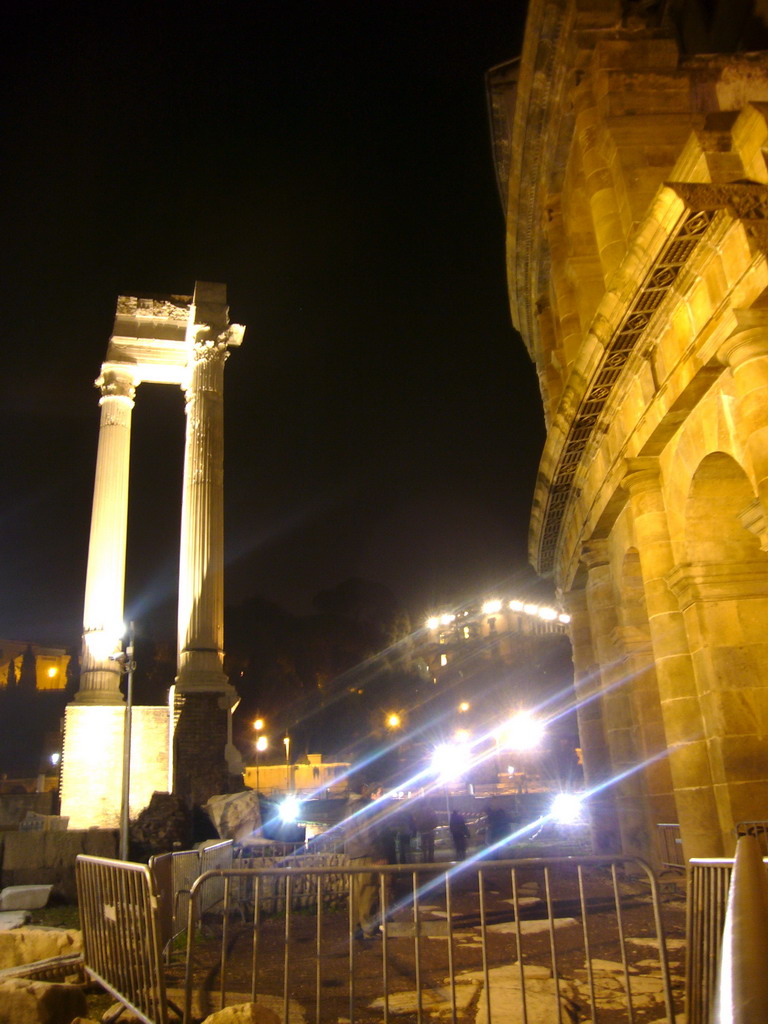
pixel 671 843
pixel 121 935
pixel 519 940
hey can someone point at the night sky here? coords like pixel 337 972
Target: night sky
pixel 331 163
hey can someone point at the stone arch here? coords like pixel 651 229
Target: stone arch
pixel 722 587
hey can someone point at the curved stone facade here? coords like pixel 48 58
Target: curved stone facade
pixel 634 180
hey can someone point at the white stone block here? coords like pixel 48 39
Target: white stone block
pixel 24 897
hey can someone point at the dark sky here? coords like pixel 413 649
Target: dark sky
pixel 331 163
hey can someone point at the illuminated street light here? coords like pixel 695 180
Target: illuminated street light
pixel 547 614
pixel 462 736
pixel 530 609
pixel 258 724
pixel 516 606
pixel 446 619
pixel 104 642
pixel 491 607
pixel 393 720
pixel 564 618
pixel 261 745
pixel 449 760
pixel 433 622
pixel 464 706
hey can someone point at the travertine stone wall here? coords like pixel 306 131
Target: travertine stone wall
pixel 637 205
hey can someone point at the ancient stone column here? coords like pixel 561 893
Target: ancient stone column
pixel 678 694
pixel 105 580
pixel 203 753
pixel 589 713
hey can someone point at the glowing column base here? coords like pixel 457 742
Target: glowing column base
pixel 92 762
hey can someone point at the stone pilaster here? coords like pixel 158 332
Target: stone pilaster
pixel 678 694
pixel 618 726
pixel 589 714
pixel 105 581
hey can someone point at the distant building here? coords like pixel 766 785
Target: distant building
pixel 312 775
pixel 489 629
pixel 50 664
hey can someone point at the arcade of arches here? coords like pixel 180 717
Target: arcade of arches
pixel 633 175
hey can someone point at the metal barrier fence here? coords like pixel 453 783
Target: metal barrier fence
pixel 671 842
pixel 512 940
pixel 174 874
pixel 759 829
pixel 709 881
pixel 121 935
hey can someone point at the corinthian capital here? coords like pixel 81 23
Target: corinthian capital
pixel 116 383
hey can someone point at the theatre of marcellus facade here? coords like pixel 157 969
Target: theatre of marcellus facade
pixel 632 155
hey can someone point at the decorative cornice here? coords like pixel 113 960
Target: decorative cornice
pixel 713 581
pixel 176 307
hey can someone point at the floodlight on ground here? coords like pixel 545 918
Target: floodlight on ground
pixel 289 810
pixel 105 642
pixel 523 731
pixel 449 760
pixel 567 808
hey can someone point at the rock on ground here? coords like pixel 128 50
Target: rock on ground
pixel 244 1013
pixel 27 945
pixel 40 1002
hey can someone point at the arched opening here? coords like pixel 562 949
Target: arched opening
pixel 723 593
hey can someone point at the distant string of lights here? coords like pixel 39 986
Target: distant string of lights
pixel 495 606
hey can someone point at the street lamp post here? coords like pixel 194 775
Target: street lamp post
pixel 128 666
pixel 261 745
pixel 287 742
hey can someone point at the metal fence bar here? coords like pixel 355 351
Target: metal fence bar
pixel 708 882
pixel 120 916
pixel 671 843
pixel 121 935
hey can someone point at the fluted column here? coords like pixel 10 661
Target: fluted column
pixel 105 579
pixel 746 354
pixel 678 694
pixel 201 569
